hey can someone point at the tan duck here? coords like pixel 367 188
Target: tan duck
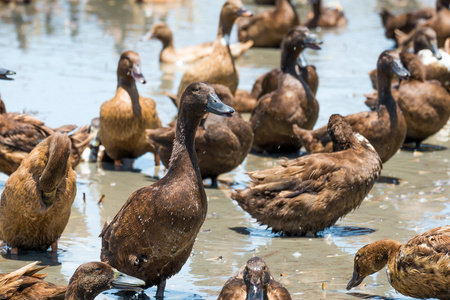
pixel 221 144
pixel 253 281
pixel 268 28
pixel 37 199
pixel 152 235
pixel 305 195
pixel 219 66
pixel 292 102
pixel 20 133
pixel 332 15
pixel 88 280
pixel 419 268
pixel 189 54
pixel 385 128
pixel 124 118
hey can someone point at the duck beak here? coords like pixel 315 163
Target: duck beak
pixel 137 74
pixel 148 36
pixel 126 282
pixel 255 292
pixel 356 280
pixel 217 107
pixel 301 61
pixel 435 50
pixel 4 73
pixel 243 12
pixel 312 41
pixel 399 70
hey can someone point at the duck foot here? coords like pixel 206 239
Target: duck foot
pixel 54 246
pixel 160 290
pixel 157 160
pixel 214 183
pixel 389 180
pixel 422 147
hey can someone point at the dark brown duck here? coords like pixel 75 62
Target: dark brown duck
pixel 152 236
pixel 325 17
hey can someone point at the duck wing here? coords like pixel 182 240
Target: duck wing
pixel 433 242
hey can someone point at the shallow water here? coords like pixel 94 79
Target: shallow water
pixel 65 54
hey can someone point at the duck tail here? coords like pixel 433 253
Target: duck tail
pixel 237 50
pixel 80 141
pixel 65 128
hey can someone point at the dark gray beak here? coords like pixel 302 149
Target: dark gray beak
pixel 243 12
pixel 4 73
pixel 137 74
pixel 399 70
pixel 312 41
pixel 435 50
pixel 126 282
pixel 217 107
pixel 355 281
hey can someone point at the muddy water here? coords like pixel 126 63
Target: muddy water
pixel 65 54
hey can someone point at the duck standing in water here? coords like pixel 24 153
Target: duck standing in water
pixel 36 202
pixel 385 127
pixel 329 16
pixel 88 280
pixel 310 193
pixel 292 102
pixel 419 268
pixel 253 281
pixel 124 118
pixel 152 236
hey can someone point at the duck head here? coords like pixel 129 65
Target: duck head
pixel 130 67
pixel 230 11
pixel 90 279
pixel 160 31
pixel 297 39
pixel 256 277
pixel 4 74
pixel 341 133
pixel 389 61
pixel 426 38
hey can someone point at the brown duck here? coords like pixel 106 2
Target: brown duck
pixel 36 202
pixel 189 54
pixel 89 280
pixel 221 144
pixel 419 268
pixel 253 281
pixel 124 118
pixel 385 127
pixel 152 236
pixel 292 102
pixel 325 17
pixel 310 193
pixel 268 28
pixel 219 66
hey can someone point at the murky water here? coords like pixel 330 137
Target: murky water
pixel 65 54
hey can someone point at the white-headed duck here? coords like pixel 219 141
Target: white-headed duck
pixel 332 15
pixel 219 66
pixel 310 193
pixel 268 28
pixel 385 127
pixel 36 202
pixel 221 144
pixel 253 281
pixel 419 268
pixel 88 280
pixel 124 118
pixel 291 103
pixel 152 235
pixel 189 54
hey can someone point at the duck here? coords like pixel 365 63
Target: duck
pixel 268 82
pixel 221 144
pixel 332 15
pixel 219 66
pixel 440 23
pixel 189 54
pixel 268 28
pixel 152 235
pixel 124 118
pixel 305 195
pixel 253 281
pixel 291 103
pixel 384 127
pixel 20 133
pixel 418 268
pixel 37 199
pixel 88 281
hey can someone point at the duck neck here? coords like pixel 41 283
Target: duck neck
pixel 317 10
pixel 77 291
pixel 387 250
pixel 127 82
pixel 385 98
pixel 225 24
pixel 288 65
pixel 167 41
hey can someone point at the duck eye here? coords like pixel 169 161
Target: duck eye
pixel 98 270
pixel 195 90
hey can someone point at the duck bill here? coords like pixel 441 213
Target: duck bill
pixel 137 74
pixel 399 70
pixel 243 12
pixel 312 41
pixel 435 50
pixel 301 61
pixel 355 281
pixel 4 73
pixel 125 282
pixel 148 36
pixel 217 107
pixel 255 292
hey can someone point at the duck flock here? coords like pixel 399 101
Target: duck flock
pixel 323 174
